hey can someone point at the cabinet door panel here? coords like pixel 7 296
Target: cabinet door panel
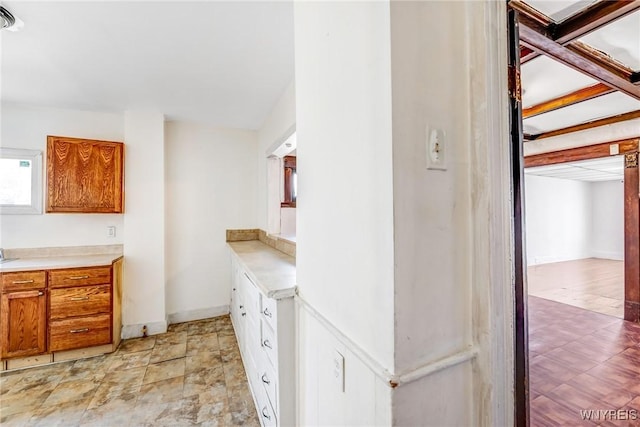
pixel 84 175
pixel 23 328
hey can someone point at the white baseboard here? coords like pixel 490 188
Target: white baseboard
pixel 135 331
pixel 201 313
pixel 617 256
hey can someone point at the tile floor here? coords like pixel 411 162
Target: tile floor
pixel 192 375
pixel 581 360
pixel 593 284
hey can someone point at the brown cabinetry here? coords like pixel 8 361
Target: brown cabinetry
pixel 79 308
pixel 84 175
pixel 60 313
pixel 23 314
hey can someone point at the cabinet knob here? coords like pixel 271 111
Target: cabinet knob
pixel 40 293
pixel 267 344
pixel 265 413
pixel 267 313
pixel 244 314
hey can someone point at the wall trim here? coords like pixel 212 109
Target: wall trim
pixel 616 256
pixel 198 314
pixel 392 380
pixel 135 330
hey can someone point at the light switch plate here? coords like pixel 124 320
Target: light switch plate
pixel 436 149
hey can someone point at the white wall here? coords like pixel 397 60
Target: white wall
pixel 288 221
pixel 558 217
pixel 607 227
pixel 385 262
pixel 28 127
pixel 211 186
pixel 275 129
pixel 569 219
pixel 144 276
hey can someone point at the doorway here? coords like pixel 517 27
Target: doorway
pixel 585 358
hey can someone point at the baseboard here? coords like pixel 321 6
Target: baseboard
pixel 616 256
pixel 201 313
pixel 135 331
pixel 551 259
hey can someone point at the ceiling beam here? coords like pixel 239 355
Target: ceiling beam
pixel 579 95
pixel 587 125
pixel 581 153
pixel 593 17
pixel 580 58
pixel 575 26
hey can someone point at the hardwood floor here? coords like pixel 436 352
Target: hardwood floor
pixel 593 284
pixel 582 361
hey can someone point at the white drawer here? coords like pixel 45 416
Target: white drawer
pixel 269 311
pixel 269 344
pixel 268 380
pixel 265 411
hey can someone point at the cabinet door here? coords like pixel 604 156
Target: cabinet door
pixel 23 327
pixel 84 175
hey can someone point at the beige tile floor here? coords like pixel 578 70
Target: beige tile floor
pixel 593 284
pixel 192 375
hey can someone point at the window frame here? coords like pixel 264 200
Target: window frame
pixel 35 157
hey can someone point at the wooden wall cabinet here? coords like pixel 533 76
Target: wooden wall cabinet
pixel 84 175
pixel 23 313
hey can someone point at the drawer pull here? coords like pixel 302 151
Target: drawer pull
pixel 78 277
pixel 265 379
pixel 244 314
pixel 241 307
pixel 79 298
pixel 22 282
pixel 267 344
pixel 40 293
pixel 79 331
pixel 265 413
pixel 267 313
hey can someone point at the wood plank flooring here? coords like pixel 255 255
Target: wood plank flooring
pixel 593 284
pixel 582 361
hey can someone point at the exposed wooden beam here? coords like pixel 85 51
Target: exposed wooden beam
pixel 579 95
pixel 587 125
pixel 579 59
pixel 581 153
pixel 572 28
pixel 591 18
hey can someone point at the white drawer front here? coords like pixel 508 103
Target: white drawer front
pixel 269 381
pixel 269 311
pixel 265 411
pixel 269 344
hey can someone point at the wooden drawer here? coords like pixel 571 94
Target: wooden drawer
pixel 79 301
pixel 79 277
pixel 79 332
pixel 23 280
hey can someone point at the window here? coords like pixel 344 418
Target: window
pixel 290 182
pixel 20 181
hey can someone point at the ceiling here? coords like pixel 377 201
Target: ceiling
pixel 220 63
pixel 612 44
pixel 605 169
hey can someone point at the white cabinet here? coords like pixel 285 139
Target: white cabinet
pixel 265 331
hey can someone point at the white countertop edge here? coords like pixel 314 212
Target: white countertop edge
pixel 58 262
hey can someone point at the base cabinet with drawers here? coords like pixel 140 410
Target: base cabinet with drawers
pixel 50 315
pixel 266 336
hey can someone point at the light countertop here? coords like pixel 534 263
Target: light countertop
pixel 271 270
pixel 56 262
